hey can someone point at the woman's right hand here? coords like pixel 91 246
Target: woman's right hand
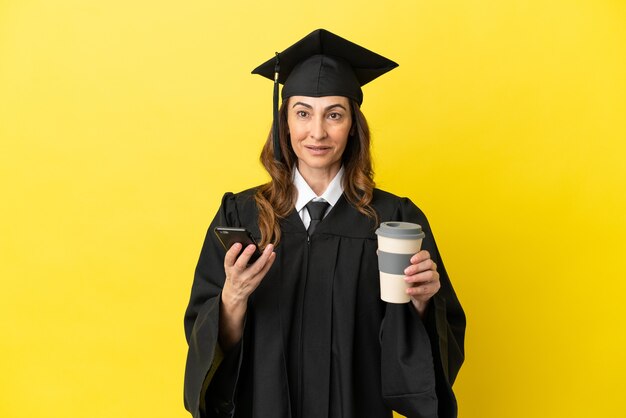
pixel 241 280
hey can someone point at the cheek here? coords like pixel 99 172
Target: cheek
pixel 296 143
pixel 342 137
pixel 293 142
pixel 296 133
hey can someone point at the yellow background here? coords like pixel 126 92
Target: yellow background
pixel 123 122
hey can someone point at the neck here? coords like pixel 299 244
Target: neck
pixel 319 179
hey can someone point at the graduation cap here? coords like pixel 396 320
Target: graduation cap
pixel 322 64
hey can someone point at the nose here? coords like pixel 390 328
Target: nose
pixel 318 129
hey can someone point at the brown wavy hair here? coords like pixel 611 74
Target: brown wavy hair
pixel 276 199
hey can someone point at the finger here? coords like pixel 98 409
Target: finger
pixel 423 277
pixel 419 291
pixel 231 255
pixel 420 256
pixel 426 290
pixel 267 265
pixel 244 258
pixel 262 260
pixel 427 264
pixel 256 278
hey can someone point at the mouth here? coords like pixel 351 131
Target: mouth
pixel 318 150
pixel 317 147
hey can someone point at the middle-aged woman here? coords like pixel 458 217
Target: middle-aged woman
pixel 302 331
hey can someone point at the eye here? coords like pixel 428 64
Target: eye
pixel 335 115
pixel 302 113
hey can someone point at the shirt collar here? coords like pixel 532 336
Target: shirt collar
pixel 305 194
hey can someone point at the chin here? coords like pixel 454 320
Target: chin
pixel 320 165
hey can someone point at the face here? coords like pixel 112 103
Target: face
pixel 319 128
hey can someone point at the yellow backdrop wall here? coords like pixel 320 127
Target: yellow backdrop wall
pixel 122 123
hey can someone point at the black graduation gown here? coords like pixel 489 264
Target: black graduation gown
pixel 318 342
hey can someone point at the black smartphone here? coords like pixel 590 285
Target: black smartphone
pixel 229 236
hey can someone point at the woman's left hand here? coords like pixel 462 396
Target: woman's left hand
pixel 423 277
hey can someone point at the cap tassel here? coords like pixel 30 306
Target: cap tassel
pixel 275 133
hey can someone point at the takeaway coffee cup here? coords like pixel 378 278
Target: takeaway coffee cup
pixel 397 243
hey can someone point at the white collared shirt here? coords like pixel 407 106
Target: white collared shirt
pixel 305 194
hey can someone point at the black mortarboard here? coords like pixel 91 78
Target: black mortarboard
pixel 322 64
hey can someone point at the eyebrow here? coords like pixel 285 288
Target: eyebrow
pixel 326 109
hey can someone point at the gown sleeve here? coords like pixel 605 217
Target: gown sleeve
pixel 210 374
pixel 421 357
